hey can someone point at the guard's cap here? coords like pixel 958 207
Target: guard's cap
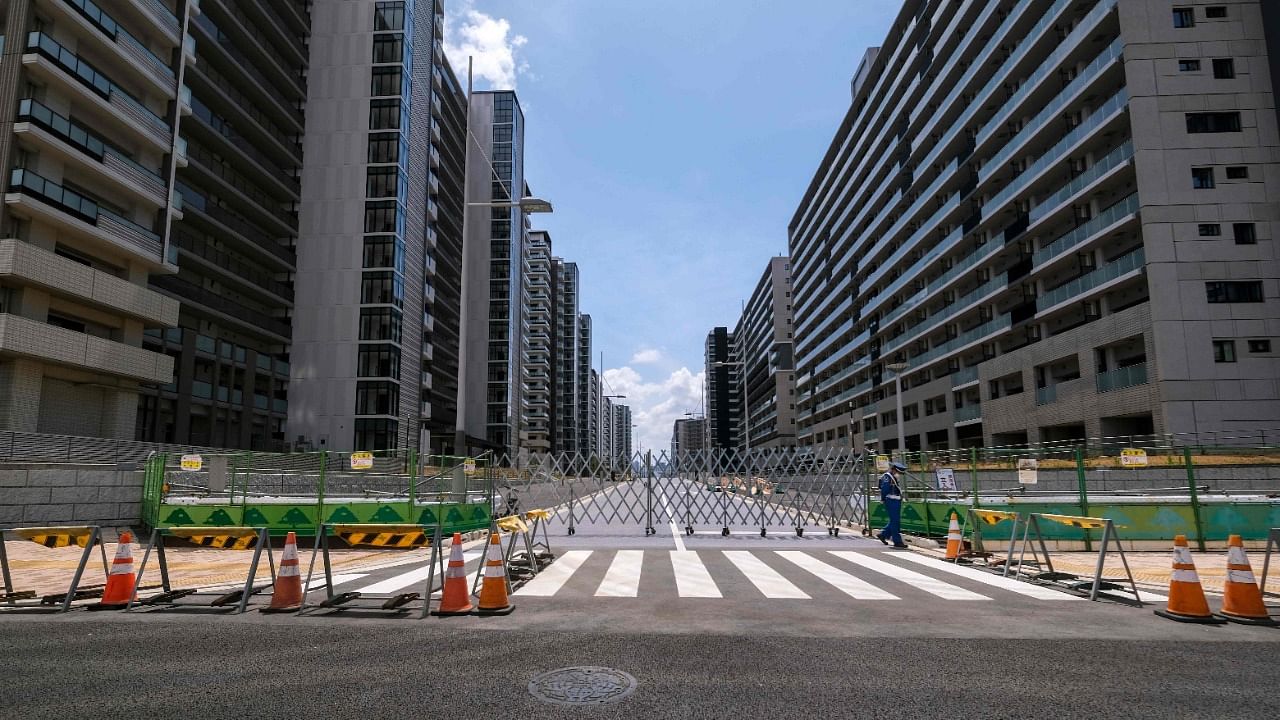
pixel 897 466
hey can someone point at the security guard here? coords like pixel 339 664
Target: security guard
pixel 891 497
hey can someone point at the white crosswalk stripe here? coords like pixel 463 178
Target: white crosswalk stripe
pixel 411 580
pixel 317 582
pixel 1017 586
pixel 623 578
pixel 850 585
pixel 930 585
pixel 768 581
pixel 549 581
pixel 692 578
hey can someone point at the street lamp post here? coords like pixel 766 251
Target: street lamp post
pixel 525 204
pixel 897 369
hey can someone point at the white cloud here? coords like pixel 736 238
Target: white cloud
pixel 647 356
pixel 655 406
pixel 489 42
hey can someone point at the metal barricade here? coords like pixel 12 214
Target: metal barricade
pixel 84 536
pixel 224 538
pixel 388 536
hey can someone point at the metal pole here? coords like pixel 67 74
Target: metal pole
pixel 1084 498
pixel 902 443
pixel 1195 497
pixel 973 476
pixel 460 426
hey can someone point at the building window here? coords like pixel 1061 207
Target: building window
pixel 384 147
pixel 380 397
pixel 380 324
pixel 378 361
pixel 383 251
pixel 1202 178
pixel 1260 346
pixel 1245 291
pixel 1188 65
pixel 1183 18
pixel 382 287
pixel 387 80
pixel 388 48
pixel 1215 12
pixel 1224 351
pixel 388 16
pixel 372 434
pixel 1213 122
pixel 1238 172
pixel 384 115
pixel 1210 230
pixel 382 216
pixel 384 182
pixel 1224 68
pixel 1244 233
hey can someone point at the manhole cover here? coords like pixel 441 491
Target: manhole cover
pixel 583 685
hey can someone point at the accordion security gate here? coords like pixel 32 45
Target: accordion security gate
pixel 705 492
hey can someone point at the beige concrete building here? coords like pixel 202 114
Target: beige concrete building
pixel 89 108
pixel 763 343
pixel 1057 220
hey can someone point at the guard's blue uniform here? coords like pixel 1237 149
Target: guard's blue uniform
pixel 891 497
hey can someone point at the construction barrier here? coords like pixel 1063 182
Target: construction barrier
pixel 495 592
pixel 1070 580
pixel 974 520
pixel 1186 595
pixel 541 518
pixel 526 564
pixel 1273 540
pixel 224 538
pixel 390 536
pixel 84 536
pixel 1241 597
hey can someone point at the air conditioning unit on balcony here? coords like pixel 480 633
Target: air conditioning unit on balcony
pixel 1092 310
pixel 953 365
pixel 1033 333
pixel 1087 261
pixel 988 350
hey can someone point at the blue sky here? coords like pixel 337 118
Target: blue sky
pixel 675 139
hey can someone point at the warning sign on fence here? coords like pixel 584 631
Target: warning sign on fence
pixel 1027 470
pixel 192 463
pixel 1133 457
pixel 361 460
pixel 882 463
pixel 469 466
pixel 946 479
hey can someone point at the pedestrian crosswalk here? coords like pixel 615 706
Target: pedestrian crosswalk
pixel 716 574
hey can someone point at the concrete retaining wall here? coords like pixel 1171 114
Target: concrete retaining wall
pixel 41 494
pixel 1229 478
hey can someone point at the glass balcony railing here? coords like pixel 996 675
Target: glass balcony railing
pixel 970 261
pixel 1046 394
pixel 913 273
pixel 1054 154
pixel 963 303
pixel 964 376
pixel 1122 378
pixel 1049 66
pixel 54 194
pixel 1106 218
pixel 1112 160
pixel 30 110
pixel 1004 322
pixel 968 412
pixel 1083 284
pixel 90 76
pixel 1042 119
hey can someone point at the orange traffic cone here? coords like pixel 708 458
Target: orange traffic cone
pixel 954 539
pixel 120 583
pixel 286 593
pixel 1242 598
pixel 1186 597
pixel 456 598
pixel 493 592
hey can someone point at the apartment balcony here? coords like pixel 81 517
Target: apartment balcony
pixel 967 414
pixel 433 210
pixel 1117 271
pixel 268 94
pixel 282 36
pixel 262 50
pixel 435 131
pixel 222 220
pixel 1106 222
pixel 74 144
pixel 964 378
pixel 231 269
pixel 200 299
pixel 248 117
pixel 213 129
pixel 32 195
pixel 29 338
pixel 1122 378
pixel 243 192
pixel 27 264
pixel 158 17
pixel 128 53
pixel 49 61
pixel 435 157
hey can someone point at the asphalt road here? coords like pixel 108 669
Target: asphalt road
pixel 711 627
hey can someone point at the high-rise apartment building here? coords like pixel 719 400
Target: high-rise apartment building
pixel 91 100
pixel 723 386
pixel 1054 220
pixel 688 436
pixel 621 434
pixel 565 363
pixel 238 182
pixel 595 421
pixel 587 388
pixel 764 345
pixel 539 379
pixel 362 342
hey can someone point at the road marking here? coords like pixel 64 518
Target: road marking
pixel 844 582
pixel 317 583
pixel 549 581
pixel 692 578
pixel 417 576
pixel 1023 588
pixel 623 578
pixel 675 531
pixel 910 577
pixel 767 580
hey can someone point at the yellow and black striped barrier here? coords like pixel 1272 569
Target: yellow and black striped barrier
pixel 512 524
pixel 1088 587
pixel 382 536
pixel 82 536
pixel 1077 521
pixel 225 538
pixel 993 517
pixel 221 538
